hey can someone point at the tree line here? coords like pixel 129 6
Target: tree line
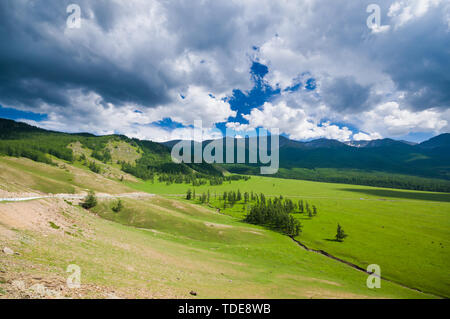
pixel 274 213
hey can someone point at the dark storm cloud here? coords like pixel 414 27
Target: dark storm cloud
pixel 415 55
pixel 39 65
pixel 203 26
pixel 345 94
pixel 146 54
pixel 417 58
pixel 106 13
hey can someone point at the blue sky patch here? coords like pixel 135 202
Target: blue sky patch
pixel 13 114
pixel 168 123
pixel 244 102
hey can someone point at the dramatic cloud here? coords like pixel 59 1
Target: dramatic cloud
pixel 366 137
pixel 390 120
pixel 294 121
pixel 136 64
pixel 343 94
pixel 402 12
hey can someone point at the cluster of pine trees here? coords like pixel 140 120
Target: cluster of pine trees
pixel 198 179
pixel 94 167
pixel 17 150
pixel 274 214
pixel 195 179
pixel 231 198
pixel 204 197
pixel 138 171
pixel 304 207
pixel 102 155
pixel 35 150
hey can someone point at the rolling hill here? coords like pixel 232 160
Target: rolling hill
pixel 163 246
pixel 23 140
pixel 160 245
pixel 382 163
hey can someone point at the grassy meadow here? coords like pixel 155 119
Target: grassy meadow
pixel 407 233
pixel 244 260
pixel 21 174
pixel 167 246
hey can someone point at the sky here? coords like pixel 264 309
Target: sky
pixel 150 69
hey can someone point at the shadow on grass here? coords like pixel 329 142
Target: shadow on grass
pixel 302 216
pixel 387 193
pixel 334 239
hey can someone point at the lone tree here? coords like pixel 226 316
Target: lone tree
pixel 310 213
pixel 308 210
pixel 118 207
pixel 301 207
pixel 314 210
pixel 89 201
pixel 340 234
pixel 189 194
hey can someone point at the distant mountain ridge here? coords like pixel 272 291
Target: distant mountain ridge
pixel 442 140
pixel 379 143
pixel 384 162
pixel 429 159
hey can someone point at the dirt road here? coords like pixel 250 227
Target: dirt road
pixel 75 196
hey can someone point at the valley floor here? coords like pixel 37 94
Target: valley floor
pixel 167 247
pixel 172 249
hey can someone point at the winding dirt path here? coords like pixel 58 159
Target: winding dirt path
pixel 354 266
pixel 76 196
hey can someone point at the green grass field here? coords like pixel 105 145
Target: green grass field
pixel 167 246
pixel 23 174
pixel 407 233
pixel 164 248
pixel 259 262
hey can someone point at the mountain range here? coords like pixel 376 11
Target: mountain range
pixel 428 159
pixel 384 162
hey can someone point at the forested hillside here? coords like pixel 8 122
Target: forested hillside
pixel 381 163
pixel 22 140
